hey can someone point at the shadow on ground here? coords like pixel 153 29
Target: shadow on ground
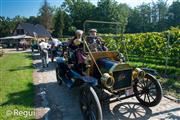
pixel 128 111
pixel 67 107
pixel 23 98
pixel 21 68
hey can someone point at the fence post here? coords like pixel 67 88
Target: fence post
pixel 167 52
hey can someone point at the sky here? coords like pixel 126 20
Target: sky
pixel 11 8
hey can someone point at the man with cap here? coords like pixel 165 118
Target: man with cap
pixel 95 42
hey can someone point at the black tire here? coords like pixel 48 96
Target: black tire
pixel 58 76
pixel 90 104
pixel 148 91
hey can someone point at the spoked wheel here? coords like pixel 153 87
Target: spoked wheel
pixel 90 105
pixel 58 76
pixel 148 91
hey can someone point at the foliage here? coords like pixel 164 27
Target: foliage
pixel 62 23
pixel 79 11
pixel 46 14
pixel 150 17
pixel 8 25
pixel 174 14
pixel 33 20
pixel 152 48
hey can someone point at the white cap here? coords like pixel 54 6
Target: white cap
pixel 92 30
pixel 79 32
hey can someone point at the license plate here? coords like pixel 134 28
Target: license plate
pixel 129 92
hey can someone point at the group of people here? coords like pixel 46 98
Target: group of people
pixel 78 56
pixel 94 44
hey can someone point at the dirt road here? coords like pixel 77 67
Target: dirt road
pixel 55 102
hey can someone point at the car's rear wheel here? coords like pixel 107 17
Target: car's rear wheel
pixel 90 105
pixel 148 91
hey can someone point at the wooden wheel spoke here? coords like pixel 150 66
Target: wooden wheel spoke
pixel 140 86
pixel 125 112
pixel 129 106
pixel 138 107
pixel 148 98
pixel 140 93
pixel 151 96
pixel 144 83
pixel 130 115
pixel 133 106
pixel 139 114
pixel 134 115
pixel 145 97
pixel 140 111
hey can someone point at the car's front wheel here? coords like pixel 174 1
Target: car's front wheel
pixel 148 91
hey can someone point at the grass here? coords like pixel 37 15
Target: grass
pixel 16 87
pixel 155 60
pixel 171 87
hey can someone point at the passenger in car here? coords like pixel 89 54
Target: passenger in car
pixel 78 56
pixel 95 42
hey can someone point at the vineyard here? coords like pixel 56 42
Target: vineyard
pixel 158 51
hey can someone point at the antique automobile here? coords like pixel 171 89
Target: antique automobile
pixel 108 73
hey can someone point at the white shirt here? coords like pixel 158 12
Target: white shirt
pixel 56 42
pixel 43 45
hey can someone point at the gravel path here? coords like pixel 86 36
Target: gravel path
pixel 55 102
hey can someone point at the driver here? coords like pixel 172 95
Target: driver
pixel 95 42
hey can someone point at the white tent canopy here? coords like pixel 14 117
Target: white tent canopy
pixel 17 37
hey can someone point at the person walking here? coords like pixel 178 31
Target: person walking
pixel 44 53
pixel 54 48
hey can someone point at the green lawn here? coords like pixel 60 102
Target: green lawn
pixel 16 88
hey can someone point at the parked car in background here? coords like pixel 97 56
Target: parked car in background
pixel 1 50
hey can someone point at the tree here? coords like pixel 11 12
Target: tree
pixel 174 14
pixel 46 14
pixel 145 12
pixel 8 25
pixel 33 20
pixel 59 23
pixel 79 11
pixel 140 19
pixel 162 9
pixel 110 10
pixel 133 19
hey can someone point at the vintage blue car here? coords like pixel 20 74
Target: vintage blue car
pixel 106 71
